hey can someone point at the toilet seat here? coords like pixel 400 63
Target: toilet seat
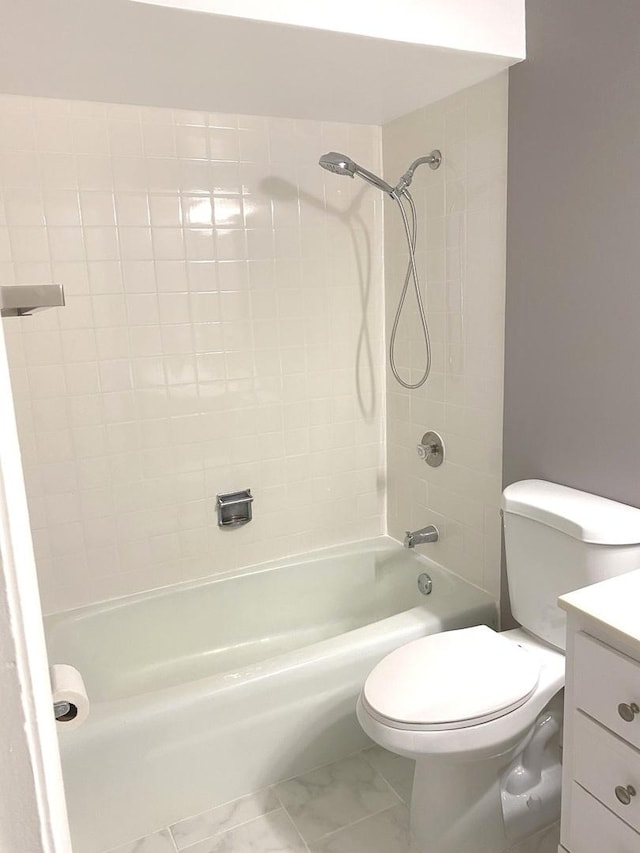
pixel 451 680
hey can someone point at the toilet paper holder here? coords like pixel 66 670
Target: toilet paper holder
pixel 70 702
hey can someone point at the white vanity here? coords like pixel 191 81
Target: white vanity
pixel 601 763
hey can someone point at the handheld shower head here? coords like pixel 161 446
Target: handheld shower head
pixel 340 164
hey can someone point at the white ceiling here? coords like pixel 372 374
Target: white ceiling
pixel 125 52
pixel 485 26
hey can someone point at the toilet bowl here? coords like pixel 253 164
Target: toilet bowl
pixel 481 711
pixel 492 691
pixel 473 693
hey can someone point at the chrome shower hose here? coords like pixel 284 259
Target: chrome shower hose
pixel 412 272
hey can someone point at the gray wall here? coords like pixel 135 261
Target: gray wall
pixel 572 384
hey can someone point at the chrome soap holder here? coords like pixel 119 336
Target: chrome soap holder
pixel 234 508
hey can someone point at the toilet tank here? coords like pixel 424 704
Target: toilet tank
pixel 559 539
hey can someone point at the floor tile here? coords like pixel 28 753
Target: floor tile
pixel 546 841
pixel 159 842
pixel 271 833
pixel 386 832
pixel 223 818
pixel 331 797
pixel 397 770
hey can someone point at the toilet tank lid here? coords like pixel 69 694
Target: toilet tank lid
pixel 581 515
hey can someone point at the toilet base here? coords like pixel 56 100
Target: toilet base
pixel 456 807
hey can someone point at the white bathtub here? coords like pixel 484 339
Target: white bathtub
pixel 205 691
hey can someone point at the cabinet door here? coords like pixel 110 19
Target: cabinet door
pixel 608 768
pixel 605 680
pixel 594 829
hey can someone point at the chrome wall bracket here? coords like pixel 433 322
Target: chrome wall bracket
pixel 234 508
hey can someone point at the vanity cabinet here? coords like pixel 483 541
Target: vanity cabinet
pixel 601 755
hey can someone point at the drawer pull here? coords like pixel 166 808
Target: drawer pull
pixel 628 712
pixel 624 794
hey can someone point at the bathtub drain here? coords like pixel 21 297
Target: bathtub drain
pixel 425 584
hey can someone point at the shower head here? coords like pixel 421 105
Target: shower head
pixel 340 164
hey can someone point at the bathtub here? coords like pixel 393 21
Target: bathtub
pixel 206 691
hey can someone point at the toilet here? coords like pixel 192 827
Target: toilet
pixel 481 711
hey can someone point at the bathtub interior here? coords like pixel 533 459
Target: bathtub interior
pixel 152 641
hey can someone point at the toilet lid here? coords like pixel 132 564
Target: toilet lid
pixel 451 680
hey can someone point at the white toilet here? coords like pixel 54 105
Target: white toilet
pixel 480 711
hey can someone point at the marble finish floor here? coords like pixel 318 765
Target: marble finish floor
pixel 357 805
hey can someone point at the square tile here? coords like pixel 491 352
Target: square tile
pixel 159 140
pixel 334 796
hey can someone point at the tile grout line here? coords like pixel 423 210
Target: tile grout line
pixel 282 806
pixel 393 788
pixel 186 849
pixel 353 823
pixel 291 820
pixel 360 820
pixel 144 838
pixel 325 764
pixel 389 783
pixel 219 806
pixel 397 793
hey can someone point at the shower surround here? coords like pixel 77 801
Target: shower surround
pixel 223 330
pixel 461 256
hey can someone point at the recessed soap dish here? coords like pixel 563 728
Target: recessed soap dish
pixel 234 509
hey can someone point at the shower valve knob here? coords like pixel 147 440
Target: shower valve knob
pixel 431 449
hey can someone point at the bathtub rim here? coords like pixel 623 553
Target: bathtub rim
pixel 383 543
pixel 111 713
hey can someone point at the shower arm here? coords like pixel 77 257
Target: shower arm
pixel 433 160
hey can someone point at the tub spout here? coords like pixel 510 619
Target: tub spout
pixel 421 537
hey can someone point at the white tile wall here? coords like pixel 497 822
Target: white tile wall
pixel 223 331
pixel 461 254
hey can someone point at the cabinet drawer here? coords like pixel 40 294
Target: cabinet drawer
pixel 594 829
pixel 604 679
pixel 602 762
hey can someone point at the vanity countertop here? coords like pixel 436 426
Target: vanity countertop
pixel 614 604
